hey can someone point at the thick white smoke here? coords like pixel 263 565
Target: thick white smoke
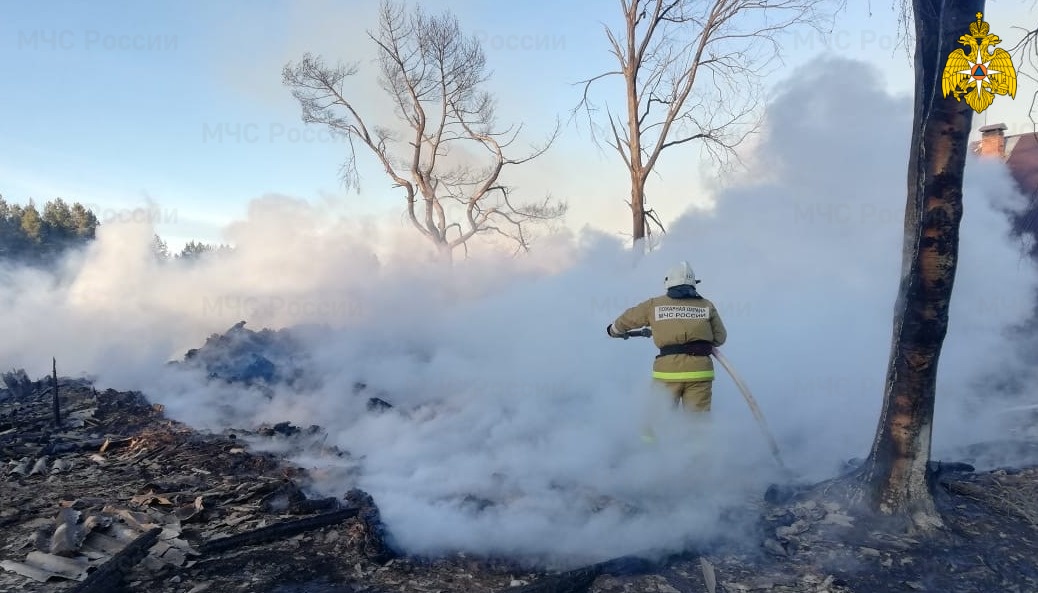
pixel 516 422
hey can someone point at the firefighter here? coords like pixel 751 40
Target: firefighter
pixel 685 327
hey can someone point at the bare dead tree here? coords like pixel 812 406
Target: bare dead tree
pixel 444 150
pixel 692 70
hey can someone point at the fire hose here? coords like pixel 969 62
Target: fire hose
pixel 754 408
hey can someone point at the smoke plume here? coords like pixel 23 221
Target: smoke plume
pixel 516 422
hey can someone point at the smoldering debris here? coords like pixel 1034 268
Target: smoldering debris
pixel 266 359
pixel 127 494
pixel 17 383
pixel 127 497
pixel 120 495
pixel 253 358
pixel 789 554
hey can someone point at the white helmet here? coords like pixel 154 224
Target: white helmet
pixel 679 275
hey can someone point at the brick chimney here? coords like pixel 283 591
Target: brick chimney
pixel 993 140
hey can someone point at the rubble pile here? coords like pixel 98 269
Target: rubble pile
pixel 253 358
pixel 120 494
pixel 264 359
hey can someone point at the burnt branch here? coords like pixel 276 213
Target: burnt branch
pixel 109 576
pixel 277 531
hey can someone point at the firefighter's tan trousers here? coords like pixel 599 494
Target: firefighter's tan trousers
pixel 694 396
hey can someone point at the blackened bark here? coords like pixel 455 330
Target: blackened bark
pixel 896 478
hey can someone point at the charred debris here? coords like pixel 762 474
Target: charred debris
pixel 103 492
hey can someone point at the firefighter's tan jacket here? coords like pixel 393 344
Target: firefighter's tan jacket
pixel 677 321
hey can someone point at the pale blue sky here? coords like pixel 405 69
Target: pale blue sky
pixel 114 103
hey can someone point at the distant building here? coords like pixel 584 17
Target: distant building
pixel 1020 153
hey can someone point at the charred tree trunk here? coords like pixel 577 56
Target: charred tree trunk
pixel 895 478
pixel 56 402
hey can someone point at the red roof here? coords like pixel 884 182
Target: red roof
pixel 1022 160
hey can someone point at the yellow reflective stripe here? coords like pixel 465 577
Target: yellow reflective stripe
pixel 685 376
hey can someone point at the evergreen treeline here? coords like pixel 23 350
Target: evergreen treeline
pixel 191 250
pixel 29 235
